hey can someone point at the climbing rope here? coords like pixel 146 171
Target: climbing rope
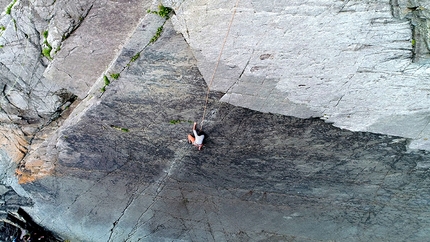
pixel 216 65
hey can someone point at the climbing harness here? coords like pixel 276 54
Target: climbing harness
pixel 216 65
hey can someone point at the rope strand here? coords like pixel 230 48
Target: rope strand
pixel 216 66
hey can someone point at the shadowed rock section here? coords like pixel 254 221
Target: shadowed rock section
pixel 15 222
pixel 125 172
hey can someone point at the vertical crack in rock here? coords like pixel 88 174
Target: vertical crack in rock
pixel 139 224
pixel 229 89
pixel 419 18
pixel 158 186
pixel 338 101
pixel 83 13
pixel 129 202
pixel 216 209
pixel 344 4
pixel 124 61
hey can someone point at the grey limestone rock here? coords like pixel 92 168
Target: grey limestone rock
pixel 356 64
pixel 28 97
pixel 124 171
pixel 91 48
pixel 99 125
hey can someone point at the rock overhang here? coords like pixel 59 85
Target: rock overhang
pixel 349 63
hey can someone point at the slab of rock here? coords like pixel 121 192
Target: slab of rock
pixel 120 169
pixel 4 4
pixel 90 49
pixel 124 171
pixel 15 223
pixel 355 64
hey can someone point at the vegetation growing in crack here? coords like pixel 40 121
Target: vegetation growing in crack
pixel 115 76
pixel 178 121
pixel 134 58
pixel 163 12
pixel 106 83
pixel 157 35
pixel 418 17
pixel 120 128
pixel 46 51
pixel 9 7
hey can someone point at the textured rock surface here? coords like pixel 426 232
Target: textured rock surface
pixel 91 48
pixel 348 62
pixel 113 164
pixel 260 177
pixel 4 3
pixel 14 222
pixel 27 97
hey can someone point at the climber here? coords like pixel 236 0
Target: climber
pixel 197 138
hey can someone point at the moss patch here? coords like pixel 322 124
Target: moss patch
pixel 163 12
pixel 114 75
pixel 135 57
pixel 178 121
pixel 46 50
pixel 157 35
pixel 125 130
pixel 106 83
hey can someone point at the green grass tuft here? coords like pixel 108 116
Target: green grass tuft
pixel 106 80
pixel 135 57
pixel 178 121
pixel 125 130
pixel 46 51
pixel 9 7
pixel 115 76
pixel 157 35
pixel 163 12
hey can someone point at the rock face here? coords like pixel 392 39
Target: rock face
pixel 92 46
pixel 125 172
pixel 15 222
pixel 106 158
pixel 355 64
